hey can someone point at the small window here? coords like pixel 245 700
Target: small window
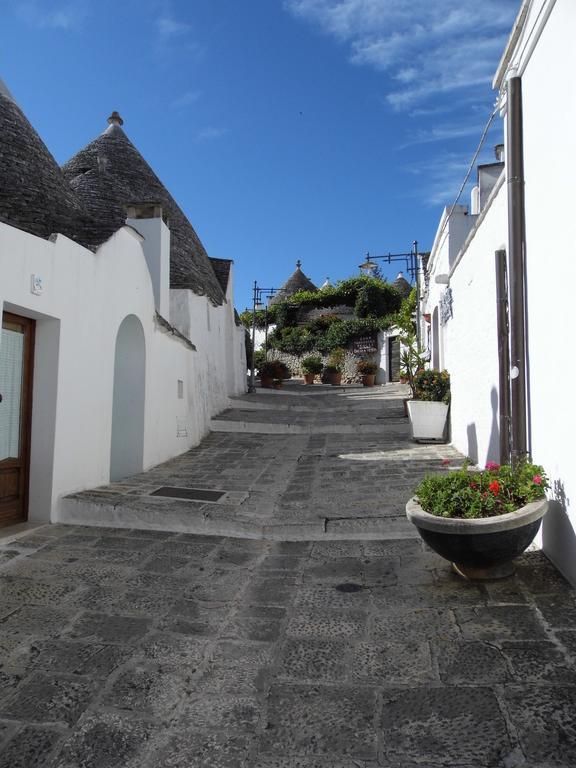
pixel 180 389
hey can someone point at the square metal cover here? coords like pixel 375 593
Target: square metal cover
pixel 191 494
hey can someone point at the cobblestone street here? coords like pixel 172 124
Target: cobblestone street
pixel 154 649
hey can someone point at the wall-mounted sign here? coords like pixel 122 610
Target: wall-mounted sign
pixel 365 345
pixel 36 286
pixel 446 306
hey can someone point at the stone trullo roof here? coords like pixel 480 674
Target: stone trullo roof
pixel 34 195
pixel 402 285
pixel 297 281
pixel 221 269
pixel 107 175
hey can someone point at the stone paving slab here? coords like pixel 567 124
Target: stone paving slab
pixel 240 653
pixel 351 479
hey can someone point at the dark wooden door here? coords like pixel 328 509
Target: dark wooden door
pixel 16 366
pixel 394 358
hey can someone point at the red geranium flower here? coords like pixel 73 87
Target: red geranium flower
pixel 537 479
pixel 445 462
pixel 492 465
pixel 494 487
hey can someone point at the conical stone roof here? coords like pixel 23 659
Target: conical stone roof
pixel 107 175
pixel 402 285
pixel 297 281
pixel 34 195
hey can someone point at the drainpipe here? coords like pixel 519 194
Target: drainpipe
pixel 503 356
pixel 517 268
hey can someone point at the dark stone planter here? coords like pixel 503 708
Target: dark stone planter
pixel 483 548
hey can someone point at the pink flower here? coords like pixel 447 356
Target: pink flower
pixel 537 479
pixel 495 487
pixel 492 465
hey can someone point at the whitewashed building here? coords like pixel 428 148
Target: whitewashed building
pixel 119 336
pixel 523 208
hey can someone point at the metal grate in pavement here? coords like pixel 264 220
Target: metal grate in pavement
pixel 190 494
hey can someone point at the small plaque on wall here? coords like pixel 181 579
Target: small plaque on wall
pixel 446 306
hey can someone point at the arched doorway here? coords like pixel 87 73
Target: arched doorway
pixel 127 444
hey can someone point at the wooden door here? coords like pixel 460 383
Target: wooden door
pixel 16 366
pixel 394 358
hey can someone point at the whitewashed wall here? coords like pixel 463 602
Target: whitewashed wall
pixel 468 343
pixel 85 298
pixel 550 169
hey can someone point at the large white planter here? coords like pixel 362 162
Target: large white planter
pixel 428 419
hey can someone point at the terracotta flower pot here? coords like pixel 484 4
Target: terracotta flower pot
pixel 266 382
pixel 368 379
pixel 309 378
pixel 483 547
pixel 335 379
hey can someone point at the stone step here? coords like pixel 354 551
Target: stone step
pixel 272 428
pixel 75 510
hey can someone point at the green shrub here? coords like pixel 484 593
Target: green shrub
pixel 274 369
pixel 432 386
pixel 377 299
pixel 311 364
pixel 336 360
pixel 494 491
pixel 294 340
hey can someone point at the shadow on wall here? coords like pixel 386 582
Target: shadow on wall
pixel 472 443
pixel 493 450
pixel 493 447
pixel 558 535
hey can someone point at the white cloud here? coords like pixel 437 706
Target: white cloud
pixel 45 15
pixel 169 28
pixel 209 133
pixel 185 99
pixel 426 47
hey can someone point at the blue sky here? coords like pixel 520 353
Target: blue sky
pixel 285 129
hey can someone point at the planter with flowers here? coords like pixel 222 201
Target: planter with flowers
pixel 311 366
pixel 428 409
pixel 367 369
pixel 481 520
pixel 271 374
pixel 332 372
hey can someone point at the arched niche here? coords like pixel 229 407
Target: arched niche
pixel 127 443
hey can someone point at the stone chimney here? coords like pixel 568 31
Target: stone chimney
pixel 147 219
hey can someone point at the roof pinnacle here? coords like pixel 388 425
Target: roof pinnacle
pixel 298 264
pixel 115 119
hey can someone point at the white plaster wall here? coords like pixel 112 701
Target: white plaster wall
pixel 549 102
pixel 468 341
pixel 85 298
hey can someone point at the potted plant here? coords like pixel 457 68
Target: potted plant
pixel 481 520
pixel 271 370
pixel 311 365
pixel 412 361
pixel 367 369
pixel 332 371
pixel 428 409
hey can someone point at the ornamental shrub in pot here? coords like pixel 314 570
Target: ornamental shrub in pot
pixel 311 365
pixel 272 370
pixel 428 409
pixel 367 369
pixel 481 520
pixel 332 371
